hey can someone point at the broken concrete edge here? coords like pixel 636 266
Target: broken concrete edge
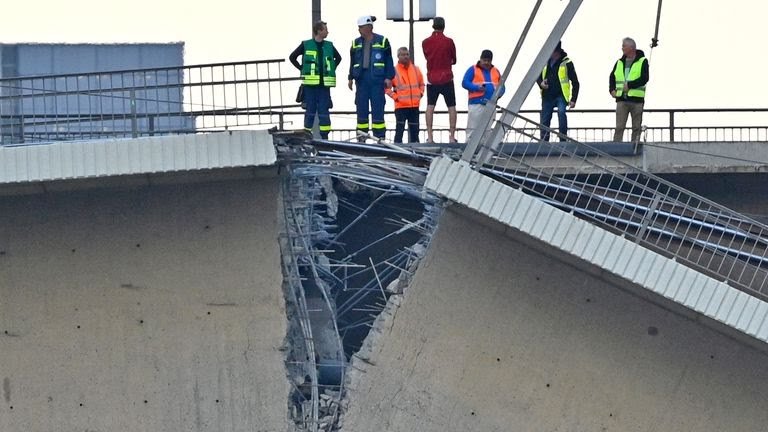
pixel 384 322
pixel 324 410
pixel 297 345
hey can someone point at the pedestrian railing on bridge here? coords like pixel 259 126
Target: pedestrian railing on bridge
pixel 251 94
pixel 653 212
pixel 142 102
pixel 594 125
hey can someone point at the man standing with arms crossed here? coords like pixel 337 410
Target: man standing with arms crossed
pixel 440 53
pixel 627 84
pixel 371 69
pixel 408 90
pixel 319 60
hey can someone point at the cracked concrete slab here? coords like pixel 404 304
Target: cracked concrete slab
pixel 495 336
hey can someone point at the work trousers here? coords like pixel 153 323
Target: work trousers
pixel 411 116
pixel 369 99
pixel 474 118
pixel 623 110
pixel 318 102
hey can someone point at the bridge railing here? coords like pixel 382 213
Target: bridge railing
pixel 142 102
pixel 592 125
pixel 636 204
pixel 251 94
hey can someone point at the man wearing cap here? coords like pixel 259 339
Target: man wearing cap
pixel 480 80
pixel 407 90
pixel 559 88
pixel 372 69
pixel 319 59
pixel 440 53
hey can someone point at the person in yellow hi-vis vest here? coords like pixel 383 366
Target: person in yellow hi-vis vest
pixel 627 84
pixel 559 86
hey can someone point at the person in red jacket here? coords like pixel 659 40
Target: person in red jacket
pixel 407 90
pixel 440 53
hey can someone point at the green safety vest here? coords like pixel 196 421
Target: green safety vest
pixel 562 73
pixel 634 73
pixel 311 61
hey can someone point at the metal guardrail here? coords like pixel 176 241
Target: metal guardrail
pixel 638 205
pixel 661 125
pixel 222 96
pixel 141 102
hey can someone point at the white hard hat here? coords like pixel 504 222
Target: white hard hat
pixel 365 20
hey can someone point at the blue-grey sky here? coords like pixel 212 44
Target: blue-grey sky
pixel 711 52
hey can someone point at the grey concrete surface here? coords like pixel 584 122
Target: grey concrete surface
pixel 703 157
pixel 745 193
pixel 676 158
pixel 154 309
pixel 496 336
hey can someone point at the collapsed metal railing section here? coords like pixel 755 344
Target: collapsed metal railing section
pixel 355 230
pixel 657 214
pixel 141 102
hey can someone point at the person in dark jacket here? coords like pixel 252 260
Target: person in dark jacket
pixel 319 60
pixel 559 86
pixel 371 69
pixel 627 83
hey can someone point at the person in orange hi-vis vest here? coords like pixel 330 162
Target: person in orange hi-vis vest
pixel 480 81
pixel 407 91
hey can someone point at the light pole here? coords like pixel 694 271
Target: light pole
pixel 395 13
pixel 316 10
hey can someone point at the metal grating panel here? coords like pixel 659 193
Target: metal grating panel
pixel 624 258
pixel 117 157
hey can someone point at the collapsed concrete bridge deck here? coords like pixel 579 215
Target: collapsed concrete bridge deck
pixel 158 304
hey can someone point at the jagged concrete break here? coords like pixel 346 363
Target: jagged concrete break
pixel 496 336
pixel 157 309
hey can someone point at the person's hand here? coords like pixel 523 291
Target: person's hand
pixel 349 84
pixel 544 85
pixel 613 93
pixel 626 87
pixel 572 105
pixel 388 83
pixel 481 87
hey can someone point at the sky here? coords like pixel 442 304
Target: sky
pixel 710 52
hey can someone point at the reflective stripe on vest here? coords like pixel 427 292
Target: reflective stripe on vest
pixel 479 78
pixel 408 83
pixel 381 44
pixel 378 64
pixel 312 59
pixel 562 75
pixel 635 72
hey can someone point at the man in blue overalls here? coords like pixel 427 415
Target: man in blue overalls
pixel 372 70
